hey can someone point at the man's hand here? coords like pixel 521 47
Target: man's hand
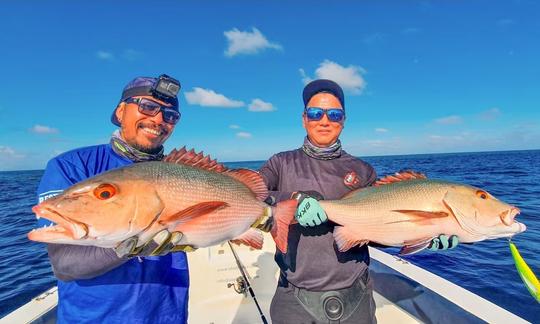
pixel 443 242
pixel 162 243
pixel 309 212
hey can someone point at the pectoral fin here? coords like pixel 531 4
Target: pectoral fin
pixel 412 247
pixel 194 211
pixel 252 238
pixel 283 217
pixel 420 216
pixel 346 239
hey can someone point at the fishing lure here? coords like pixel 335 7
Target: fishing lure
pixel 525 272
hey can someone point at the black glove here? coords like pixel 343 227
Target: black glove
pixel 301 195
pixel 162 243
pixel 270 200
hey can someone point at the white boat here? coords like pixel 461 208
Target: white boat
pixel 404 293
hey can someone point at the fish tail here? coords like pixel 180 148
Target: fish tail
pixel 283 217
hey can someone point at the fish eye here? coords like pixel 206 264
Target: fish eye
pixel 104 191
pixel 481 194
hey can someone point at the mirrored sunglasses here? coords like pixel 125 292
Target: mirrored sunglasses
pixel 334 114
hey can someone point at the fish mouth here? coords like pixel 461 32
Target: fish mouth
pixel 508 219
pixel 507 216
pixel 65 227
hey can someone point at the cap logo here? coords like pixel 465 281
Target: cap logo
pixel 351 180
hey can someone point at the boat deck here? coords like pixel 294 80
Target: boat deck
pixel 404 293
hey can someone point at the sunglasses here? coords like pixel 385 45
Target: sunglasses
pixel 334 114
pixel 152 108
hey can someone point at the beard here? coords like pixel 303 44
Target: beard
pixel 150 149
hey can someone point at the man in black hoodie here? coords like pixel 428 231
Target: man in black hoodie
pixel 319 284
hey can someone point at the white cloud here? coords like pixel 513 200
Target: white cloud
pixel 305 78
pixel 132 55
pixel 41 129
pixel 234 127
pixel 8 152
pixel 257 105
pixel 245 42
pixel 243 135
pixel 127 54
pixel 210 98
pixel 104 55
pixel 490 114
pixel 381 130
pixel 349 78
pixel 449 120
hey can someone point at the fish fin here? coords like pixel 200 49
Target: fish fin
pixel 193 159
pixel 412 247
pixel 252 179
pixel 346 239
pixel 252 238
pixel 420 216
pixel 194 211
pixel 283 217
pixel 400 176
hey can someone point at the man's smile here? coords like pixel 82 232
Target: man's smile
pixel 152 131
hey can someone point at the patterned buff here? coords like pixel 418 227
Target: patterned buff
pixel 322 153
pixel 125 150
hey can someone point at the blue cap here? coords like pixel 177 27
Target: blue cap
pixel 323 85
pixel 142 86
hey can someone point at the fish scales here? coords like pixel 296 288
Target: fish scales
pixel 401 212
pixel 208 207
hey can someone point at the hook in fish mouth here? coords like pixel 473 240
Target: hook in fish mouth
pixel 507 216
pixel 63 225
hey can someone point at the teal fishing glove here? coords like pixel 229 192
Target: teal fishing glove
pixel 443 242
pixel 162 243
pixel 309 212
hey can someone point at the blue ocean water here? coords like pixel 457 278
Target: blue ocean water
pixel 485 268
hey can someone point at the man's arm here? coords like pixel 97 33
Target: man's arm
pixel 72 262
pixel 270 174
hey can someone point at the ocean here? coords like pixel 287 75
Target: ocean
pixel 485 268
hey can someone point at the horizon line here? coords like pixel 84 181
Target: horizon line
pixel 364 156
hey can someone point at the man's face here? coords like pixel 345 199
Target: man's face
pixel 145 133
pixel 323 132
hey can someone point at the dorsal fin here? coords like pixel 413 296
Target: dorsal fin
pixel 403 175
pixel 191 158
pixel 252 179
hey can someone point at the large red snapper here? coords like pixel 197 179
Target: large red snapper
pixel 206 202
pixel 409 210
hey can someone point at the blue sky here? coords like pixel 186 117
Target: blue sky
pixel 419 76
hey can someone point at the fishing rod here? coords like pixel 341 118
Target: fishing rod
pixel 248 285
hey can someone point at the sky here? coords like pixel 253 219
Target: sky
pixel 419 76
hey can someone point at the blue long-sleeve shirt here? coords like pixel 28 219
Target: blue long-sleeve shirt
pixel 313 261
pixel 95 285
